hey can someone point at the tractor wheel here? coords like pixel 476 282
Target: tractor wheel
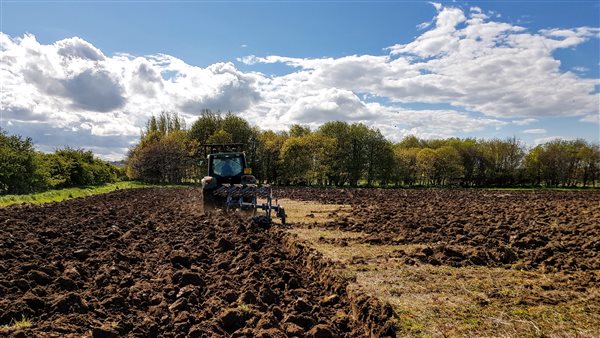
pixel 281 214
pixel 208 200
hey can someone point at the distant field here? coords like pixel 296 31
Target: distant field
pixel 458 263
pixel 65 194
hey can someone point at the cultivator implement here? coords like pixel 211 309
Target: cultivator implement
pixel 245 197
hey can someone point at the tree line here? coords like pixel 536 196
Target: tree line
pixel 24 170
pixel 343 154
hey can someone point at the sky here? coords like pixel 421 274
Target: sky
pixel 90 73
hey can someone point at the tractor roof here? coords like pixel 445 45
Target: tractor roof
pixel 210 149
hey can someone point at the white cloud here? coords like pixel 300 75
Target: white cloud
pixel 581 69
pixel 437 5
pixel 524 122
pixel 424 25
pixel 495 68
pixel 592 118
pixel 543 140
pixel 495 73
pixel 534 131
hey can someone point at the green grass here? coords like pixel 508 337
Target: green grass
pixel 69 193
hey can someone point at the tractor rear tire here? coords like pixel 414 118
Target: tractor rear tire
pixel 208 201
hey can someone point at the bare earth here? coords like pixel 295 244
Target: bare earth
pixel 464 262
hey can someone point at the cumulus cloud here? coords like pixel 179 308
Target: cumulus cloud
pixel 543 140
pixel 524 122
pixel 475 73
pixel 470 61
pixel 535 131
pixel 70 86
pixel 592 118
pixel 78 48
pixel 581 69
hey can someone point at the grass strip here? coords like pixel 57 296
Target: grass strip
pixel 69 193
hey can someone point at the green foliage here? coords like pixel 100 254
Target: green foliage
pixel 268 155
pixel 298 130
pixel 220 136
pixel 338 153
pixel 76 167
pixel 24 170
pixel 563 163
pixel 164 153
pixel 205 126
pixel 304 159
pixel 18 173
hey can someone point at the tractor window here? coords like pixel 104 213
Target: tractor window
pixel 227 167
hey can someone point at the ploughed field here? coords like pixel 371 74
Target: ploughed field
pixel 465 262
pixel 355 262
pixel 554 230
pixel 149 263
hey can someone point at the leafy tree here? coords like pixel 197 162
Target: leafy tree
pixel 220 137
pixel 379 157
pixel 17 164
pixel 472 159
pixel 503 159
pixel 270 144
pixel 304 158
pixel 296 160
pixel 205 126
pixel 447 166
pixel 589 155
pixel 563 162
pixel 164 153
pixel 410 141
pixel 338 163
pixel 298 130
pixel 406 169
pixel 425 165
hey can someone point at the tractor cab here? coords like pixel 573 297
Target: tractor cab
pixel 227 165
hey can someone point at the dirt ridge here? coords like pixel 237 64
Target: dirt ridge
pixel 375 317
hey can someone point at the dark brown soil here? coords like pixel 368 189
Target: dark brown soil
pixel 147 263
pixel 551 230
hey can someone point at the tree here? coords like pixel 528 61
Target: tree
pixel 447 166
pixel 205 126
pixel 296 160
pixel 406 168
pixel 563 162
pixel 268 156
pixel 298 130
pixel 220 137
pixel 379 157
pixel 410 141
pixel 240 129
pixel 503 159
pixel 472 160
pixel 164 153
pixel 589 155
pixel 425 165
pixel 338 165
pixel 17 165
pixel 304 158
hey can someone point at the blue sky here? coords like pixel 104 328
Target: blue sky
pixel 267 61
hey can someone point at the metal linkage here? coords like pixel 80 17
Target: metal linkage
pixel 236 194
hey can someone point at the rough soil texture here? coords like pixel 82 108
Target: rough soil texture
pixel 147 263
pixel 553 230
